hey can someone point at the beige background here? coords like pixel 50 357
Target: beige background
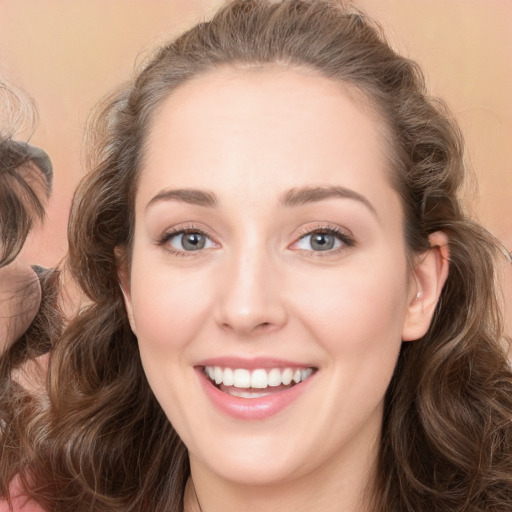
pixel 68 53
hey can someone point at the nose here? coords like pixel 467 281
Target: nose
pixel 251 298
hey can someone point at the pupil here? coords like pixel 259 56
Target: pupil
pixel 193 241
pixel 322 242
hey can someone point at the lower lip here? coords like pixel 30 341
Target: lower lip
pixel 251 408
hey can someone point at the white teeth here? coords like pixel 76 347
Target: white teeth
pixel 287 376
pixel 274 377
pixel 228 377
pixel 241 378
pixel 305 373
pixel 256 379
pixel 259 379
pixel 247 394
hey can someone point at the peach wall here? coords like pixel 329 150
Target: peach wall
pixel 67 54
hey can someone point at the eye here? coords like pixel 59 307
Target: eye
pixel 323 240
pixel 319 242
pixel 188 241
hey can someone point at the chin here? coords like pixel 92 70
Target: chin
pixel 259 458
pixel 257 471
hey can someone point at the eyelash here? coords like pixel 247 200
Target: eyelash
pixel 168 235
pixel 346 239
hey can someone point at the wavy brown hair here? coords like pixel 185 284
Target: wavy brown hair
pixel 446 442
pixel 21 165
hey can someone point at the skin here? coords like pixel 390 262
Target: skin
pixel 258 289
pixel 20 296
pixel 20 289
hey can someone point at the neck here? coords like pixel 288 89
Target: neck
pixel 333 487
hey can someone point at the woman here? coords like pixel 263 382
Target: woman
pixel 289 308
pixel 20 202
pixel 26 177
pixel 28 294
pixel 25 184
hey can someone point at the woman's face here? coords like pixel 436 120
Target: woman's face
pixel 269 247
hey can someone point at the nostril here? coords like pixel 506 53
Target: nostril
pixel 264 327
pixel 256 328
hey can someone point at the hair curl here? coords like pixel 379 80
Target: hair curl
pixel 20 208
pixel 446 439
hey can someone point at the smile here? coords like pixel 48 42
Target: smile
pixel 255 383
pixel 254 392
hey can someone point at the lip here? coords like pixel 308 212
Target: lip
pixel 251 364
pixel 251 408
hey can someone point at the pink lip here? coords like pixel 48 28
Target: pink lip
pixel 251 364
pixel 250 408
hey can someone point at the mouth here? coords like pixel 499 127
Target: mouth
pixel 258 382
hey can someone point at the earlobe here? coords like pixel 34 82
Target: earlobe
pixel 123 275
pixel 430 273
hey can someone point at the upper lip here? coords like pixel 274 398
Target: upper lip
pixel 251 363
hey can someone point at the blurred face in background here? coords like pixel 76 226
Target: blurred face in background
pixel 20 290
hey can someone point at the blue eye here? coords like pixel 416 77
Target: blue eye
pixel 187 241
pixel 323 241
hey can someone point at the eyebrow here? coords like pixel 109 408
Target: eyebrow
pixel 291 198
pixel 305 195
pixel 186 195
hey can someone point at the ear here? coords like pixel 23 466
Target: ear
pixel 430 274
pixel 123 276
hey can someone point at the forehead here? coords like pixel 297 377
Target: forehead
pixel 241 128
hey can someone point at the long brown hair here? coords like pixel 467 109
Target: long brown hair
pixel 21 208
pixel 446 439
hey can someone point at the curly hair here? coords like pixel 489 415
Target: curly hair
pixel 21 165
pixel 20 205
pixel 446 440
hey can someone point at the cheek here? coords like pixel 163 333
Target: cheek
pixel 356 316
pixel 358 310
pixel 168 310
pixel 168 307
